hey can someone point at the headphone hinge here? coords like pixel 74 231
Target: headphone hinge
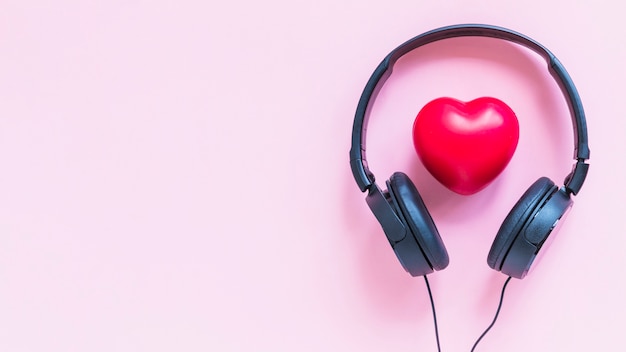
pixel 574 181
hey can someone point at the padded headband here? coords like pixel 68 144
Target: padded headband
pixel 358 162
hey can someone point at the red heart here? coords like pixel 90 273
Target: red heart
pixel 465 146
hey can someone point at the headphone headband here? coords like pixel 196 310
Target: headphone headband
pixel 358 162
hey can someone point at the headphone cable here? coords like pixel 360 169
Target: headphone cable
pixel 432 304
pixel 495 317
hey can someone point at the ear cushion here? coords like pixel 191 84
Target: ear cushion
pixel 419 220
pixel 515 220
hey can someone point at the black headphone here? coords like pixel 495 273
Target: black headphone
pixel 400 210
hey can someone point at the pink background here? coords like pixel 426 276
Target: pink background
pixel 175 177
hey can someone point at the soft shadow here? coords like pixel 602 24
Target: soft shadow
pixel 393 293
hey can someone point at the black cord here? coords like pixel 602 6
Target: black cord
pixel 494 318
pixel 432 304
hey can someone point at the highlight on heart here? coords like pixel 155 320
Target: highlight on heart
pixel 465 145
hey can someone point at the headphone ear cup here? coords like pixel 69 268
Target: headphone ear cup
pixel 518 217
pixel 418 219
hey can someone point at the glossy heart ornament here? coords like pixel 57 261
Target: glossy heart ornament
pixel 465 146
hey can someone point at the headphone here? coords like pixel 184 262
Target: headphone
pixel 404 218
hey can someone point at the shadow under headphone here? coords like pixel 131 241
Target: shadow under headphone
pixel 401 211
